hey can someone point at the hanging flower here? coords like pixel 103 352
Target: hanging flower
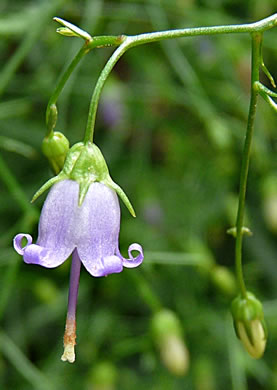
pixel 92 228
pixel 80 216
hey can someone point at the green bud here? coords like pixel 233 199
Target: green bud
pixel 76 31
pixel 249 324
pixel 269 192
pixel 167 332
pixel 66 32
pixel 55 148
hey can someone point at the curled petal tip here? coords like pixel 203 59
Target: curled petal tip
pixel 17 242
pixel 133 262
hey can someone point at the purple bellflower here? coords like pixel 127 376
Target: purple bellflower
pixel 91 229
pixel 80 216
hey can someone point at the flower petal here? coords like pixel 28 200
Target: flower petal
pixel 104 266
pixel 98 229
pixel 56 228
pixel 56 225
pixel 17 241
pixel 35 254
pixel 132 262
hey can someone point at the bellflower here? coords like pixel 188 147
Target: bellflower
pixel 80 216
pixel 92 229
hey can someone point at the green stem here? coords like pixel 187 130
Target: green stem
pixel 53 99
pixel 101 41
pixel 256 53
pixel 135 40
pixel 99 86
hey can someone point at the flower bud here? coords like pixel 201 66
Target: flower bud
pixel 66 32
pixel 55 148
pixel 249 324
pixel 269 192
pixel 75 31
pixel 167 333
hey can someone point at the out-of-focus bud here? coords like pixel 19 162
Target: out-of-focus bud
pixel 102 377
pixel 249 324
pixel 167 333
pixel 55 148
pixel 269 192
pixel 224 280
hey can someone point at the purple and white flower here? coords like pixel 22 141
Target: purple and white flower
pixel 92 230
pixel 80 216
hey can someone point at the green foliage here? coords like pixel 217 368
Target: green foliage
pixel 171 125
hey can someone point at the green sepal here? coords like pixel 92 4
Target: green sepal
pixel 247 329
pixel 264 327
pixel 90 166
pixel 83 189
pixel 48 184
pixel 110 183
pixel 85 164
pixel 246 308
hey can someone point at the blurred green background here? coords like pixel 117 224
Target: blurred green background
pixel 171 125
